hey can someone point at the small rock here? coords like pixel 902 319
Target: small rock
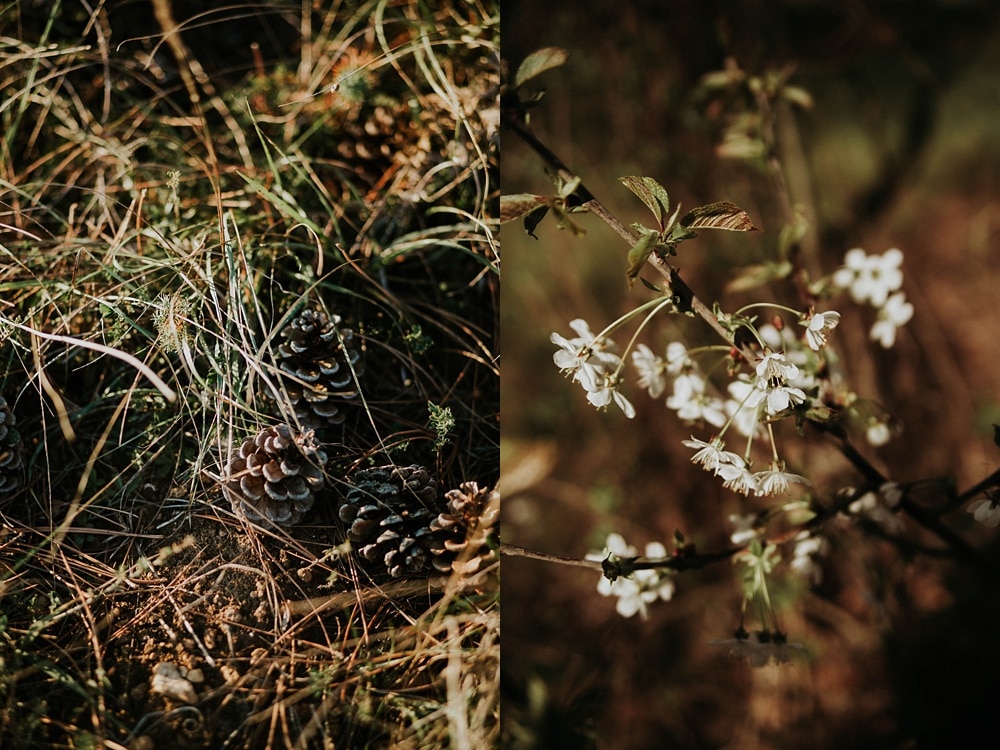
pixel 168 681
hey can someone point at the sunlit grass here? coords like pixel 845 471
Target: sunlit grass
pixel 152 248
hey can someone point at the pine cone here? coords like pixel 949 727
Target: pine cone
pixel 464 530
pixel 322 365
pixel 389 511
pixel 276 475
pixel 11 473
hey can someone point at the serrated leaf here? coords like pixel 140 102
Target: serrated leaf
pixel 720 215
pixel 650 192
pixel 538 62
pixel 639 253
pixel 520 204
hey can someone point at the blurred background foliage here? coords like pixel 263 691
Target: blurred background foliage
pixel 899 149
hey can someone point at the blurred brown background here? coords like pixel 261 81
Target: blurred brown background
pixel 900 149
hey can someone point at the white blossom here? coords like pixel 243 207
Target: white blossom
pixel 870 278
pixel 712 455
pixel 742 407
pixel 987 511
pixel 737 478
pixel 894 315
pixel 774 366
pixel 804 557
pixel 643 587
pixel 651 370
pixel 775 481
pixel 691 402
pixel 606 392
pixel 818 328
pixel 878 507
pixel 584 356
pixel 781 398
pixel 677 358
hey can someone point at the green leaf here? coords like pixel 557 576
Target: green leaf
pixel 639 253
pixel 650 192
pixel 721 215
pixel 820 414
pixel 520 204
pixel 538 62
pixel 678 233
pixel 564 221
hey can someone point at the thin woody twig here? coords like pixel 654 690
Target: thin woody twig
pixel 587 201
pixel 512 550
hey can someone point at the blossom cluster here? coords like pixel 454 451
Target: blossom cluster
pixel 735 470
pixel 877 280
pixel 593 363
pixel 640 589
pixel 784 371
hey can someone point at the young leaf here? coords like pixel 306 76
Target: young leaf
pixel 569 187
pixel 538 62
pixel 518 205
pixel 639 253
pixel 561 214
pixel 650 192
pixel 721 215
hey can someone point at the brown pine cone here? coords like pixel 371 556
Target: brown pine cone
pixel 322 364
pixel 464 530
pixel 389 510
pixel 276 475
pixel 11 469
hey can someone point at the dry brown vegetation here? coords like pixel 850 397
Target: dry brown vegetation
pixel 174 188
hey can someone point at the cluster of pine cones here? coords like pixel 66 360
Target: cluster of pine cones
pixel 276 475
pixel 394 515
pixel 395 521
